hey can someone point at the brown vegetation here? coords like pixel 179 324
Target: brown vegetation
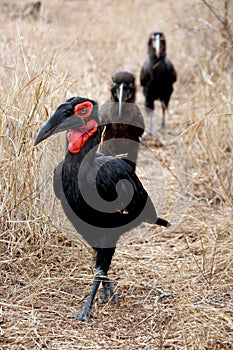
pixel 175 286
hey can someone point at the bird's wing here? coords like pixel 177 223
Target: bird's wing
pixel 137 120
pixel 145 74
pixel 171 70
pixel 118 185
pixel 104 113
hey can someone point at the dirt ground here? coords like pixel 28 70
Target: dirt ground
pixel 174 286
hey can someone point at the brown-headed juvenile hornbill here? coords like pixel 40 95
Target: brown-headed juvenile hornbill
pixel 101 195
pixel 157 76
pixel 122 121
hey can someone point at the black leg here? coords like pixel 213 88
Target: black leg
pixel 103 261
pixel 149 122
pixel 86 312
pixel 163 117
pixel 107 291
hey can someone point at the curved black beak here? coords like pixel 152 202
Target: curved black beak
pixel 62 120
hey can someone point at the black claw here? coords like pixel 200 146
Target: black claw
pixel 84 315
pixel 108 293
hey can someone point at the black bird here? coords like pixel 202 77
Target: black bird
pixel 101 195
pixel 122 121
pixel 157 76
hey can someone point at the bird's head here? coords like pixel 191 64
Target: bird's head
pixel 157 45
pixel 123 88
pixel 78 116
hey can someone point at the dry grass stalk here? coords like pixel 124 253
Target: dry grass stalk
pixel 45 275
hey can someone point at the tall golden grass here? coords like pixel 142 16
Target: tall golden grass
pixel 175 287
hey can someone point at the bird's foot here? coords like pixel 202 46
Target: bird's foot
pixel 151 140
pixel 85 314
pixel 147 135
pixel 108 293
pixel 162 127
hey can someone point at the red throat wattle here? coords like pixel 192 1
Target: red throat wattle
pixel 77 138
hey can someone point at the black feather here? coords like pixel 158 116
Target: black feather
pixel 122 131
pixel 157 76
pixel 102 197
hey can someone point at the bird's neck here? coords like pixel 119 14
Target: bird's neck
pixel 84 158
pixel 154 59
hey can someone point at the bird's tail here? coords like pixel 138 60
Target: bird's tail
pixel 162 222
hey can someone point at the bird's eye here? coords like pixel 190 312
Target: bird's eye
pixel 84 109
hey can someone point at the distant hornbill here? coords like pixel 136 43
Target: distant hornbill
pixel 101 195
pixel 157 76
pixel 122 121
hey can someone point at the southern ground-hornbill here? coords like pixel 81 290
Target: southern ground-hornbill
pixel 157 77
pixel 101 195
pixel 122 121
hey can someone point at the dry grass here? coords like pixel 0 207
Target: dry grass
pixel 174 287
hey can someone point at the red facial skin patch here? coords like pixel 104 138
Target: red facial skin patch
pixel 83 110
pixel 77 138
